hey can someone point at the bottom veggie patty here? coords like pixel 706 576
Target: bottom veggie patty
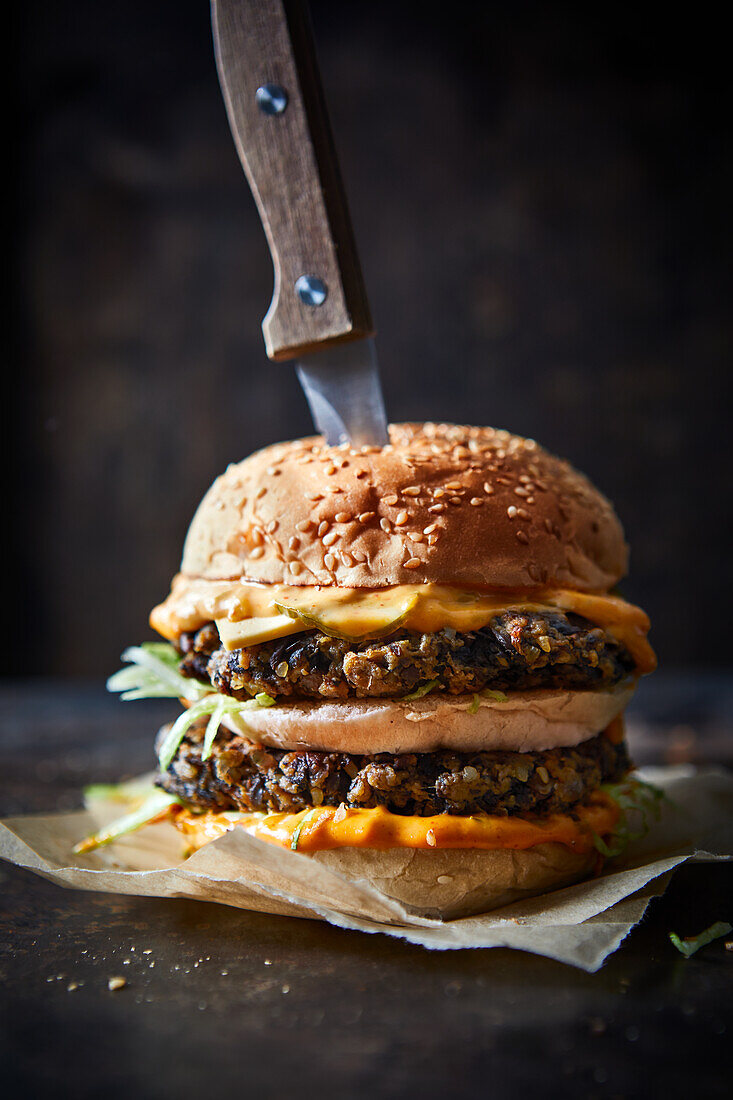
pixel 241 775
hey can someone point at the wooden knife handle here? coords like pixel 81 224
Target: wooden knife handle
pixel 290 163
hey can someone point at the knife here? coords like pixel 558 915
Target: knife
pixel 319 314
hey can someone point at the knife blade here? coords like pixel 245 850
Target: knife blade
pixel 343 391
pixel 319 313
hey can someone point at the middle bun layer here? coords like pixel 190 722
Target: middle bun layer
pixel 529 721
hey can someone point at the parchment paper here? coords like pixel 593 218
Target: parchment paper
pixel 580 925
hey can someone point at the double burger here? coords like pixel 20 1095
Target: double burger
pixel 408 662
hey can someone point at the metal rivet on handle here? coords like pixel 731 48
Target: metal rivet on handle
pixel 271 99
pixel 311 290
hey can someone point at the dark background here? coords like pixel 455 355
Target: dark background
pixel 541 198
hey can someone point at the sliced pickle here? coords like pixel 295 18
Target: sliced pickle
pixel 470 611
pixel 360 618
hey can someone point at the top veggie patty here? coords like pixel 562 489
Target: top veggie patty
pixel 516 651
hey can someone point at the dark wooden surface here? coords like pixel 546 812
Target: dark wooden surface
pixel 258 1006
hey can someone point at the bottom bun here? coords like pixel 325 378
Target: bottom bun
pixel 460 882
pixel 438 883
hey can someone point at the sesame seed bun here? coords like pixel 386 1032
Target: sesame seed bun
pixel 441 503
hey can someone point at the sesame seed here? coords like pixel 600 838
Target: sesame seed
pixel 329 540
pixel 455 500
pixel 522 536
pixel 520 492
pixel 402 519
pixel 476 502
pixel 260 492
pixel 391 499
pixel 295 568
pixel 272 527
pixel 366 516
pixel 257 552
pixel 347 559
pixel 330 470
pixel 439 493
pixel 314 496
pixel 359 555
pixel 437 508
pixel 412 491
pixel 413 563
pixel 257 537
pixel 512 511
pixel 453 485
pixel 293 543
pixel 432 527
pixel 330 562
pixel 385 525
pixel 343 517
pixel 432 539
pixel 418 537
pixel 304 525
pixel 322 528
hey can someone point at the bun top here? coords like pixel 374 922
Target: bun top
pixel 440 503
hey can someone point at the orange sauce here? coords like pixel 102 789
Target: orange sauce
pixel 330 827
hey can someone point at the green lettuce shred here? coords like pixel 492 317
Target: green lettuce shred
pixel 296 834
pixel 497 696
pixel 153 674
pixel 690 944
pixel 640 804
pixel 475 704
pixel 216 706
pixel 156 804
pixel 419 692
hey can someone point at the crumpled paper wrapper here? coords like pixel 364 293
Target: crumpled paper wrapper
pixel 580 925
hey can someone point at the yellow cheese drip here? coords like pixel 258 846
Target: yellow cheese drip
pixel 248 614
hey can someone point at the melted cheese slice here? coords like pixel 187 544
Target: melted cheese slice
pixel 247 614
pixel 329 827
